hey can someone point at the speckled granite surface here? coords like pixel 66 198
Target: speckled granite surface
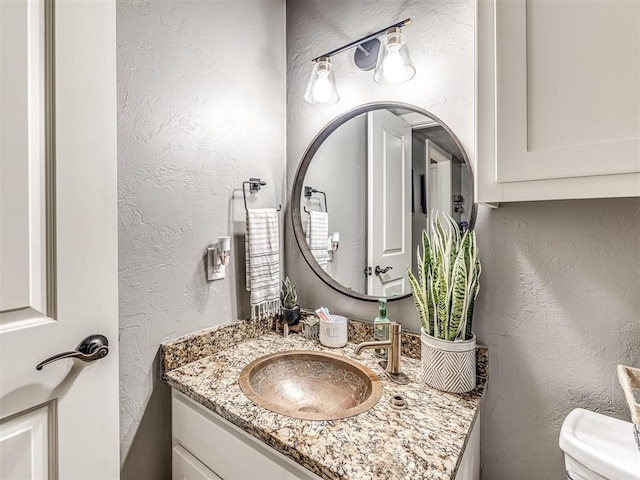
pixel 195 346
pixel 359 331
pixel 424 441
pixel 190 348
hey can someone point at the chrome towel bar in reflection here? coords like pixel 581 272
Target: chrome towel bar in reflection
pixel 255 184
pixel 308 191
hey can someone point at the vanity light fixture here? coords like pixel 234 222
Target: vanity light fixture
pixel 218 256
pixel 390 58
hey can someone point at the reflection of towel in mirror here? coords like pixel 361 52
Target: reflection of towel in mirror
pixel 317 234
pixel 629 378
pixel 262 249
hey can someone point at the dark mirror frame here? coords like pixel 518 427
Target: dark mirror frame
pixel 298 181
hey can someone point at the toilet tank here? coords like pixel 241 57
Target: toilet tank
pixel 598 447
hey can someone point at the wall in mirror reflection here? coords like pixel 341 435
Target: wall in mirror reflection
pixel 383 172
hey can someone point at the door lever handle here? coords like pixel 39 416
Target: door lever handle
pixel 92 348
pixel 379 270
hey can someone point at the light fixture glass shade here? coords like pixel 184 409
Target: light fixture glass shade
pixel 321 89
pixel 394 63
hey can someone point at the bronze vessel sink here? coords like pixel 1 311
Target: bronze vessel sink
pixel 310 385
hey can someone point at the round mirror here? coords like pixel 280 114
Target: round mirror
pixel 364 192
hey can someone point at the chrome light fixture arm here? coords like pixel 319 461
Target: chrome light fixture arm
pixel 359 42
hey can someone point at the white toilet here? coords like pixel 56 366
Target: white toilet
pixel 597 447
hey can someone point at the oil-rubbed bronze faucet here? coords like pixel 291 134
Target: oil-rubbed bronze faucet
pixel 393 347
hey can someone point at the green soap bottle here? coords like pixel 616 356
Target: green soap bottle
pixel 381 327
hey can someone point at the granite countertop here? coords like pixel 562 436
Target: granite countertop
pixel 424 441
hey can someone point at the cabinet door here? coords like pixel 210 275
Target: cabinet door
pixel 187 467
pixel 558 99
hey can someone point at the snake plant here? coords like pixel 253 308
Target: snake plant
pixel 448 280
pixel 288 295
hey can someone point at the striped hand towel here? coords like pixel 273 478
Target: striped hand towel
pixel 262 249
pixel 317 237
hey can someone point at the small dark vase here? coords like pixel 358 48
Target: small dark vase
pixel 290 316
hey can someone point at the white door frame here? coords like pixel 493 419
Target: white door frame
pixel 439 178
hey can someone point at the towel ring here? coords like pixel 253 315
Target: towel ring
pixel 309 211
pixel 308 191
pixel 255 184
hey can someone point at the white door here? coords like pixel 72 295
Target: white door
pixel 389 200
pixel 58 238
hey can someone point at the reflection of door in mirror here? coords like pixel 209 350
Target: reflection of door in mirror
pixel 446 186
pixel 389 216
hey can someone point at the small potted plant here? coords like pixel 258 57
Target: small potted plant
pixel 289 309
pixel 444 293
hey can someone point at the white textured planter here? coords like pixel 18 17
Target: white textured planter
pixel 449 366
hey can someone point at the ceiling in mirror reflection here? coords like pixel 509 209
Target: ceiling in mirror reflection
pixel 367 194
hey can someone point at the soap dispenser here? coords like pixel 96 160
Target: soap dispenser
pixel 381 328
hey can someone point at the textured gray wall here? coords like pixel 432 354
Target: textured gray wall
pixel 560 295
pixel 559 310
pixel 201 108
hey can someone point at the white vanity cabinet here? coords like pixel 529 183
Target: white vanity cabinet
pixel 207 447
pixel 558 92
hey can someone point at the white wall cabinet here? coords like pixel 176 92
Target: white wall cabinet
pixel 558 99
